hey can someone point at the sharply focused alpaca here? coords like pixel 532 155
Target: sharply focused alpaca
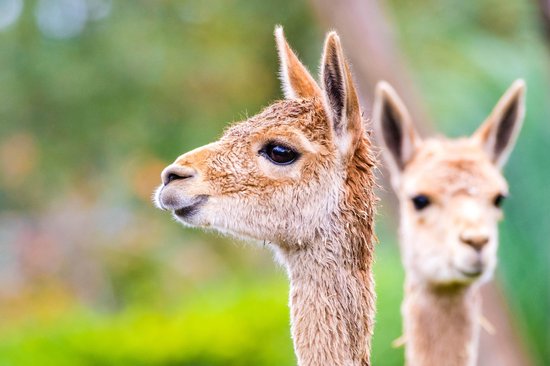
pixel 450 192
pixel 300 176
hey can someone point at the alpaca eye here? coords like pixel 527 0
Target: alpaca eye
pixel 499 198
pixel 421 201
pixel 279 154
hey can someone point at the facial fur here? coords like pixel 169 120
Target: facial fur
pixel 247 195
pixel 449 190
pixel 461 185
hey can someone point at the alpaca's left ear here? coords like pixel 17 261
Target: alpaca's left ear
pixel 394 130
pixel 500 130
pixel 340 96
pixel 297 81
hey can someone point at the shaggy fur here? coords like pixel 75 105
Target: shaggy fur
pixel 316 212
pixel 449 247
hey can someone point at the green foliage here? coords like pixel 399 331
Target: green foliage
pixel 235 322
pixel 234 325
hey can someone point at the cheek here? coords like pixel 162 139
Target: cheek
pixel 303 184
pixel 229 176
pixel 432 227
pixel 234 215
pixel 433 244
pixel 271 171
pixel 490 251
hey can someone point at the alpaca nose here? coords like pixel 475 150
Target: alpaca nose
pixel 475 240
pixel 177 172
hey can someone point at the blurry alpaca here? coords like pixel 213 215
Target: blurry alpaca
pixel 300 176
pixel 450 193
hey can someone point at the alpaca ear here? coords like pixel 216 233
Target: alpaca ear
pixel 500 130
pixel 340 96
pixel 394 130
pixel 297 81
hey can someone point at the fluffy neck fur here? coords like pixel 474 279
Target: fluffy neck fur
pixel 332 296
pixel 441 324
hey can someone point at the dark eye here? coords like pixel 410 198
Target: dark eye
pixel 499 198
pixel 421 201
pixel 279 154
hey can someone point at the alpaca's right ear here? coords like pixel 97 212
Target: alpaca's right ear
pixel 297 81
pixel 340 97
pixel 498 134
pixel 394 130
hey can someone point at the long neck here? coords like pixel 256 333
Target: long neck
pixel 332 301
pixel 441 325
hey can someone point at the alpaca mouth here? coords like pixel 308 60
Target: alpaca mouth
pixel 472 273
pixel 472 270
pixel 191 209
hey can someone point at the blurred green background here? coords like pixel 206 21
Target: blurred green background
pixel 97 96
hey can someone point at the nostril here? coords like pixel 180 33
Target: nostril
pixel 177 172
pixel 483 241
pixel 172 177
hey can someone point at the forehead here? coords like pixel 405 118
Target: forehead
pixel 452 167
pixel 304 117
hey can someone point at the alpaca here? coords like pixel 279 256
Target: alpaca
pixel 298 175
pixel 450 193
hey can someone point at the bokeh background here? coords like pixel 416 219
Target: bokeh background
pixel 97 96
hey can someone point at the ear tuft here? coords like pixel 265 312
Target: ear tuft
pixel 296 80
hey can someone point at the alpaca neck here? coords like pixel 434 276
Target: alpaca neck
pixel 441 325
pixel 332 301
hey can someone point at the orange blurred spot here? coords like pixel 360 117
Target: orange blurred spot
pixel 18 156
pixel 145 177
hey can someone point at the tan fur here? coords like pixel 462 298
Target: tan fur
pixel 317 213
pixel 448 248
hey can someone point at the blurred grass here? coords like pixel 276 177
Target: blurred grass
pixel 241 321
pixel 239 324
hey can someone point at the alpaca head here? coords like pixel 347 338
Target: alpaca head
pixel 450 191
pixel 280 175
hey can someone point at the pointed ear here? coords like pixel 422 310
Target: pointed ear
pixel 498 133
pixel 297 81
pixel 340 96
pixel 394 130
